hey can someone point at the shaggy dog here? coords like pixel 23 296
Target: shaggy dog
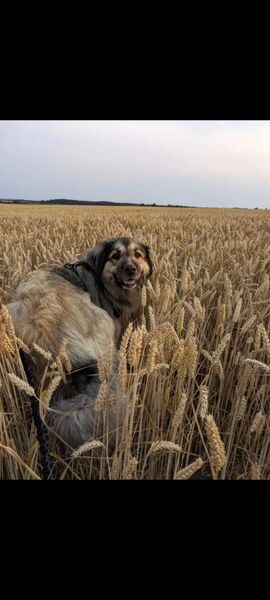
pixel 88 303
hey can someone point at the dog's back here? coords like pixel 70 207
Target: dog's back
pixel 47 309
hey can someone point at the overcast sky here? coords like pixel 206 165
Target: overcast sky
pixel 197 163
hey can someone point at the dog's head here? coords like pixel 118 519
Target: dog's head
pixel 121 262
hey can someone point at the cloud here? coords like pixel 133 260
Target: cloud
pixel 192 162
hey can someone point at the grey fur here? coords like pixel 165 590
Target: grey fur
pixel 75 420
pixel 56 304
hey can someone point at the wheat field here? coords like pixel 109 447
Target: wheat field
pixel 194 374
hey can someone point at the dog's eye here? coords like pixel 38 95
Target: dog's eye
pixel 137 254
pixel 116 255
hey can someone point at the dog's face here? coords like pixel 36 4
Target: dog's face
pixel 122 262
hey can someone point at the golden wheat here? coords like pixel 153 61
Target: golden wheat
pixel 204 334
pixel 188 471
pixel 87 447
pixel 217 450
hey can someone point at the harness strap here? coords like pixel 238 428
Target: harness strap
pixel 74 267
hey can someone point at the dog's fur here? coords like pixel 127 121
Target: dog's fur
pixel 89 304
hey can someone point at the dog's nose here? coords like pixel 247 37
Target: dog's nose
pixel 130 269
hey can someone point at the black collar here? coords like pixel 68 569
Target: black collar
pixel 74 268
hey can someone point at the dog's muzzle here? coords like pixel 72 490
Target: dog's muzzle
pixel 128 277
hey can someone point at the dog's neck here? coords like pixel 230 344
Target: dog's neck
pixel 127 300
pixel 119 303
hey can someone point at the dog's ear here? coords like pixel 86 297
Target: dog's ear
pixel 148 258
pixel 97 257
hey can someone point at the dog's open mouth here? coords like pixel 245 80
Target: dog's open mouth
pixel 128 283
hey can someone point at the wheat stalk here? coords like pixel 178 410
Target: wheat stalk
pixel 163 446
pixel 217 450
pixel 87 447
pixel 179 413
pixel 22 385
pixel 188 471
pixel 203 401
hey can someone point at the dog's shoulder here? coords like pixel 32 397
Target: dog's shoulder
pixel 69 275
pixel 44 283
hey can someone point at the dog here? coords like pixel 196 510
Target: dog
pixel 89 304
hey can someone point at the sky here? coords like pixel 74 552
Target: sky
pixel 195 163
